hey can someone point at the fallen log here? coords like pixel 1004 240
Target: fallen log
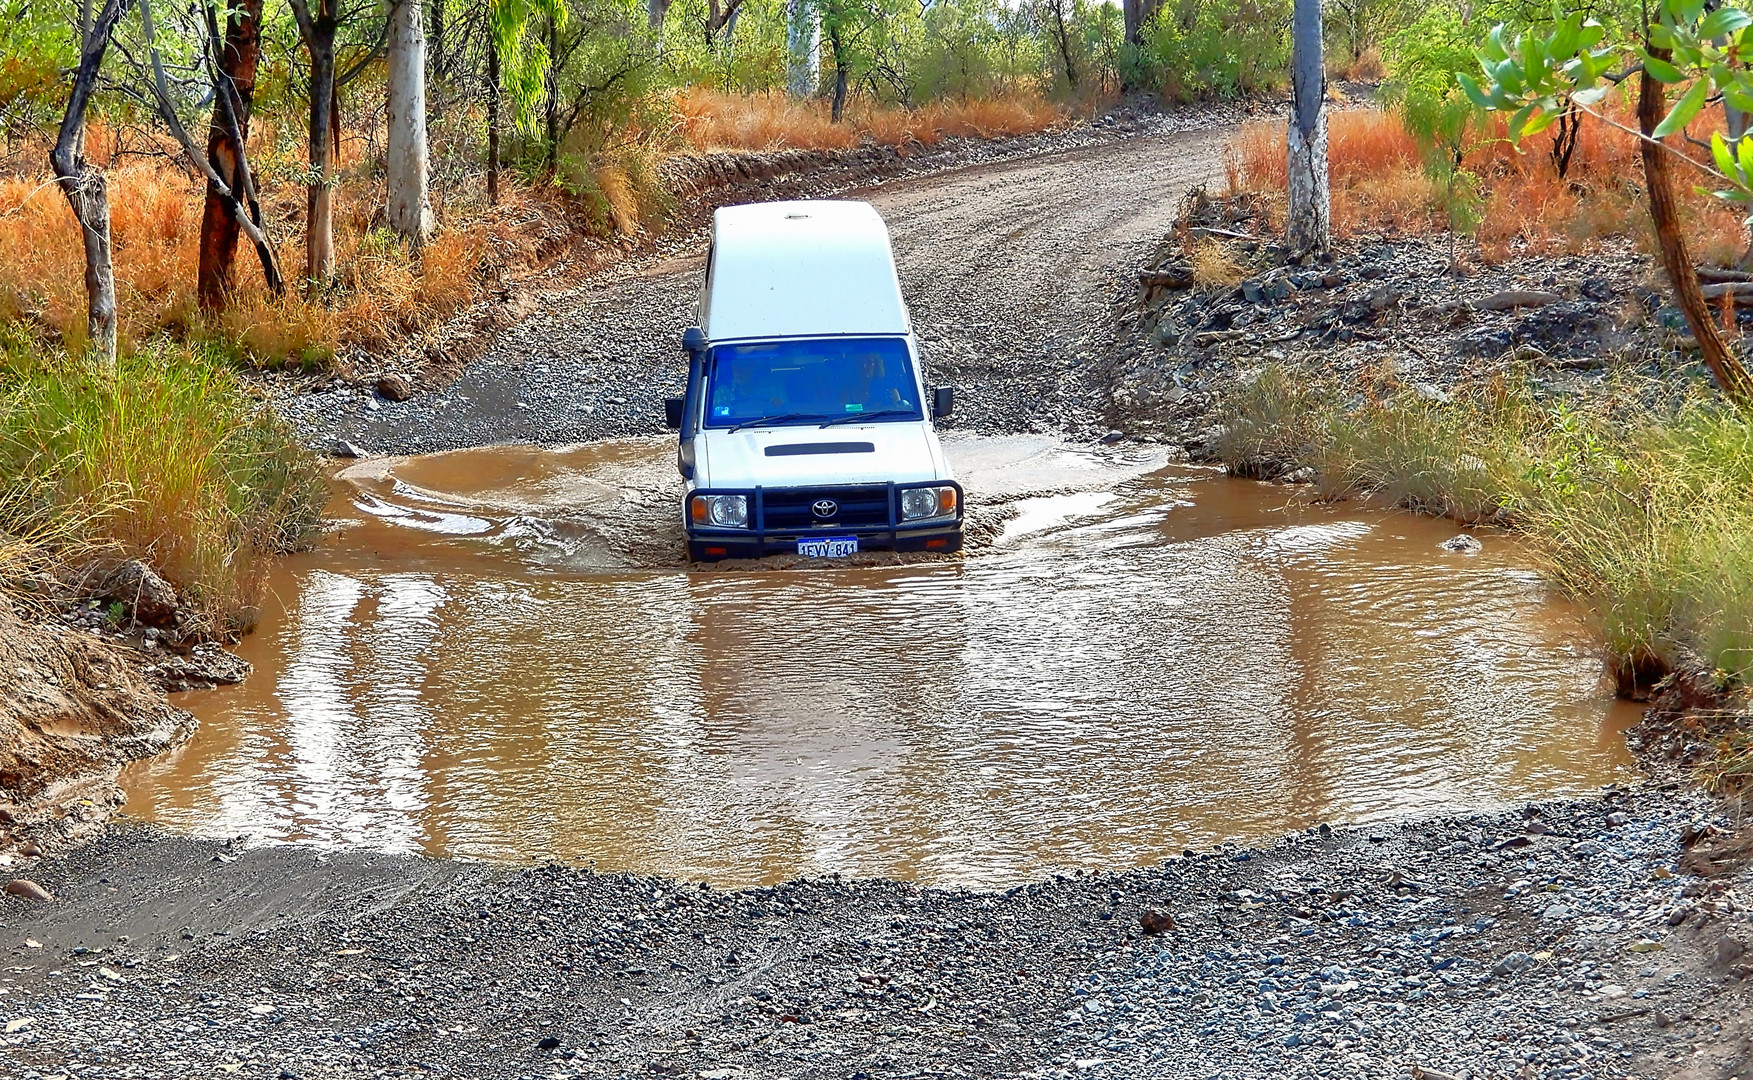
pixel 1740 290
pixel 1716 275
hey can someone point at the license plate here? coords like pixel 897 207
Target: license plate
pixel 828 547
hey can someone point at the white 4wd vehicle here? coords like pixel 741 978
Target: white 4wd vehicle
pixel 807 428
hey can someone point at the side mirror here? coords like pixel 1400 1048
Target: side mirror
pixel 693 340
pixel 943 401
pixel 672 412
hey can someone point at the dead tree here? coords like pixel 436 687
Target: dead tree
pixel 83 183
pixel 239 48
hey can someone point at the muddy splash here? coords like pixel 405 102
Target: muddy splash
pixel 499 657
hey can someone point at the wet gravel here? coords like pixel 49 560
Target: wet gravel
pixel 1009 267
pixel 1491 945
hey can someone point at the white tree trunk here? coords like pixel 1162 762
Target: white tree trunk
pixel 410 210
pixel 1307 231
pixel 803 39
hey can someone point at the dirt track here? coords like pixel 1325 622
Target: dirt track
pixel 1009 268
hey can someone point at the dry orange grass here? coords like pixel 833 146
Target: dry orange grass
pixel 383 291
pixel 1380 187
pixel 712 121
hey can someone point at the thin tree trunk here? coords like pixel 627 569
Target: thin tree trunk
pixel 322 135
pixel 83 184
pixel 839 48
pixel 436 36
pixel 655 10
pixel 551 115
pixel 239 52
pixel 1652 107
pixel 405 166
pixel 1308 229
pixel 492 120
pixel 1064 38
pixel 803 32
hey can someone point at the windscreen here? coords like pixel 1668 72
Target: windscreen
pixel 812 381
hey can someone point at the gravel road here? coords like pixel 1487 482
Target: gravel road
pixel 1566 940
pixel 1010 269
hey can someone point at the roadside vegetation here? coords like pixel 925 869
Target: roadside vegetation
pixel 1521 134
pixel 162 458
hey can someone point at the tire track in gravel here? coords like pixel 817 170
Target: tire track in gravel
pixel 1009 268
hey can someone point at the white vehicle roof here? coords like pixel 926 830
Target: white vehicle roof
pixel 801 269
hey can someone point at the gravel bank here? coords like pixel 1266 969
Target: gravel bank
pixel 1566 941
pixel 1402 312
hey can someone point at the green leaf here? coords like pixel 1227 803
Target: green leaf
pixel 1663 71
pixel 1725 161
pixel 1540 123
pixel 1723 21
pixel 1684 109
pixel 1470 87
pixel 1564 41
pixel 1517 121
pixel 1591 96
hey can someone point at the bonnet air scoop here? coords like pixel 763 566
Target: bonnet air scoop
pixel 802 449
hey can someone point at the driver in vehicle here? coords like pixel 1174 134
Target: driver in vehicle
pixel 874 389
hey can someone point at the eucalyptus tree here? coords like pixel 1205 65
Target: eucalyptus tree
pixel 236 190
pixel 1308 228
pixel 238 49
pixel 83 183
pixel 408 207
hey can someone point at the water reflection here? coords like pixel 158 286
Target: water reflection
pixel 1154 662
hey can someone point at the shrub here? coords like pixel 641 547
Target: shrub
pixel 165 458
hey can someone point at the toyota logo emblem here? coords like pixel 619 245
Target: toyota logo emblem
pixel 825 508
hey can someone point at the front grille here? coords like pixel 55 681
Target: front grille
pixel 790 509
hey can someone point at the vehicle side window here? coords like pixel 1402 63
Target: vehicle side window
pixel 703 313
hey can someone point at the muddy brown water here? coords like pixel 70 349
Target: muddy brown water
pixel 487 659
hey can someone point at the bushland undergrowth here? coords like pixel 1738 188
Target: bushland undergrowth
pixel 165 458
pixel 1638 504
pixel 384 291
pixel 1395 172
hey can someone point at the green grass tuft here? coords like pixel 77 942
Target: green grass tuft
pixel 1640 506
pixel 167 458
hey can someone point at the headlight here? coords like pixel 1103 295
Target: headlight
pixel 723 511
pixel 928 502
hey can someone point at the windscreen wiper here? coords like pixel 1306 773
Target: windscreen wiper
pixel 779 418
pixel 853 418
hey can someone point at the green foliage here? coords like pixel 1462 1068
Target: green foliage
pixel 514 31
pixel 1541 71
pixel 1197 50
